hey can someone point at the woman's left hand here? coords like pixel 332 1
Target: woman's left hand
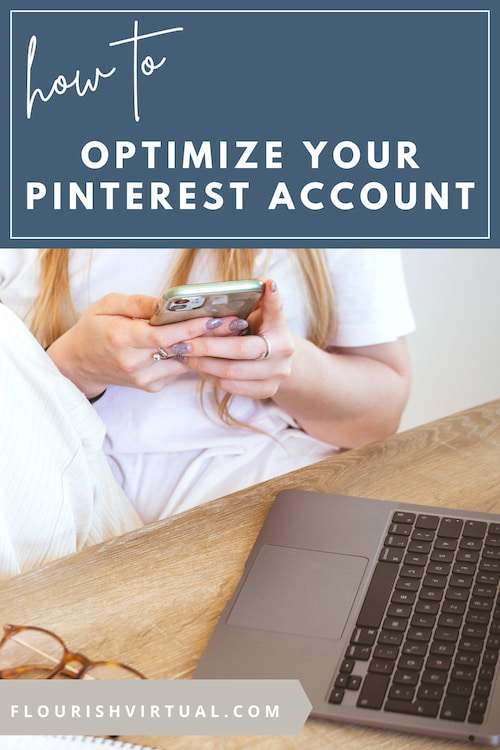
pixel 249 365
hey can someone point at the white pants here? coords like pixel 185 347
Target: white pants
pixel 57 492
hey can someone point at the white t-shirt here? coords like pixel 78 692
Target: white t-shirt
pixel 167 452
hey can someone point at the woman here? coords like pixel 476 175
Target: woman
pixel 337 375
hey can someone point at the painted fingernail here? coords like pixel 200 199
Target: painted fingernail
pixel 274 286
pixel 214 323
pixel 236 326
pixel 182 348
pixel 180 358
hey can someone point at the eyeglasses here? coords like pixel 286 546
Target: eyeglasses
pixel 31 653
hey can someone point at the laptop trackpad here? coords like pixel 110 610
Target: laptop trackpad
pixel 298 591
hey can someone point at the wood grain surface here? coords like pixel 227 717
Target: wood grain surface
pixel 152 598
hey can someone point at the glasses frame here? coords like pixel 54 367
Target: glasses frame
pixel 86 665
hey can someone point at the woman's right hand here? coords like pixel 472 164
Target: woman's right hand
pixel 113 344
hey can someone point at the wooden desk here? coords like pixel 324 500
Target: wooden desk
pixel 152 598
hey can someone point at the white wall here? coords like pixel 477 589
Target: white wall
pixel 455 351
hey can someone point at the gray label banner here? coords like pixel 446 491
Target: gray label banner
pixel 153 707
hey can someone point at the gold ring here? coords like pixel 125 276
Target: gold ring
pixel 160 354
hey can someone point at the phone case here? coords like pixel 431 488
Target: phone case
pixel 215 300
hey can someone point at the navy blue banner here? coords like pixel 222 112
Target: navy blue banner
pixel 322 127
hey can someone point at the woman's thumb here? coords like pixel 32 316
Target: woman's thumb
pixel 272 306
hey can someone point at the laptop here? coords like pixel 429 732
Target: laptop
pixel 387 613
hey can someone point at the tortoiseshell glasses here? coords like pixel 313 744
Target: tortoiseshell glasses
pixel 32 653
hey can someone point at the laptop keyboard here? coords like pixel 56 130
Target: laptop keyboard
pixel 427 638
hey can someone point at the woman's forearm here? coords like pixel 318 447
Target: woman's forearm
pixel 349 397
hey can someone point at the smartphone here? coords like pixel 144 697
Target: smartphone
pixel 213 300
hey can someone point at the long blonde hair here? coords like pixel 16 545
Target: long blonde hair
pixel 53 313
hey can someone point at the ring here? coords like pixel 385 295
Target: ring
pixel 267 353
pixel 160 354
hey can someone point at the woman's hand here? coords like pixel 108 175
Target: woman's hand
pixel 346 397
pixel 248 365
pixel 113 344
